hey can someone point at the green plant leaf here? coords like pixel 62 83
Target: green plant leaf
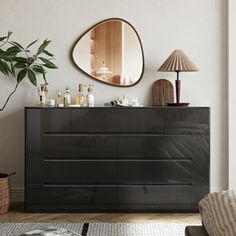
pixel 32 43
pixel 4 55
pixel 44 77
pixel 48 63
pixel 43 46
pixel 4 68
pixel 21 59
pixel 32 77
pixel 16 44
pixel 48 53
pixel 2 38
pixel 13 70
pixel 8 59
pixel 20 65
pixel 9 34
pixel 21 75
pixel 50 66
pixel 38 69
pixel 31 60
pixel 13 50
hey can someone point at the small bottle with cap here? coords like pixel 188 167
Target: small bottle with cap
pixel 90 96
pixel 59 100
pixel 80 98
pixel 67 98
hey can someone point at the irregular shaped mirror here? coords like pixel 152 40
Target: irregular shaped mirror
pixel 111 52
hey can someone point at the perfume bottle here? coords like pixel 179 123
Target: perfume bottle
pixel 65 102
pixel 90 96
pixel 80 98
pixel 59 100
pixel 67 98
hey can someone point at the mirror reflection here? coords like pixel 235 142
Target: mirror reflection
pixel 111 52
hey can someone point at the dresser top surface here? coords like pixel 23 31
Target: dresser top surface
pixel 119 107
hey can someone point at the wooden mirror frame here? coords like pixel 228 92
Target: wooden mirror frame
pixel 95 78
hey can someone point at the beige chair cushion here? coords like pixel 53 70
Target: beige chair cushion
pixel 218 212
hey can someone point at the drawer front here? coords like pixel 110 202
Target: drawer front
pixel 163 147
pixel 53 197
pixel 187 121
pixel 77 147
pixel 55 120
pixel 71 172
pixel 141 120
pixel 164 172
pixel 32 121
pixel 32 133
pixel 161 197
pixel 93 120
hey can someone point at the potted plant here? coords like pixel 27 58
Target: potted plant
pixel 19 62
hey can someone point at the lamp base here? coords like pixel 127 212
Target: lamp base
pixel 180 104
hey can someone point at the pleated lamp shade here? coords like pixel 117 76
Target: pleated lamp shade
pixel 178 61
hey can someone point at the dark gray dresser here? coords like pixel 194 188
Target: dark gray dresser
pixel 106 159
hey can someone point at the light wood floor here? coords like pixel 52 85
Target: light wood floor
pixel 17 215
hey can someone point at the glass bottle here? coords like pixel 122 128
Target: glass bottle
pixel 90 96
pixel 67 97
pixel 80 98
pixel 59 100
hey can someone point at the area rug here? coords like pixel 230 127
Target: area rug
pixel 17 229
pixel 98 229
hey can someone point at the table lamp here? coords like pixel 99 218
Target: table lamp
pixel 178 62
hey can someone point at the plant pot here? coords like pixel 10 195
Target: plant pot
pixel 5 192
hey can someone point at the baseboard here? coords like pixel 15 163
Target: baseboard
pixel 17 195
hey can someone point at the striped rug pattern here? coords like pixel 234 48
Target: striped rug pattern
pixel 99 229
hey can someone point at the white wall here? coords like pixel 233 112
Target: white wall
pixel 232 94
pixel 197 27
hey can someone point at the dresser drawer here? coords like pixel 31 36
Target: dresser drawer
pixel 93 120
pixel 140 120
pixel 71 172
pixel 70 198
pixel 55 120
pixel 32 133
pixel 32 121
pixel 33 146
pixel 163 146
pixel 161 197
pixel 167 172
pixel 187 121
pixel 76 146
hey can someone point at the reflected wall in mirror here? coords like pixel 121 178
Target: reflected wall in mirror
pixel 111 52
